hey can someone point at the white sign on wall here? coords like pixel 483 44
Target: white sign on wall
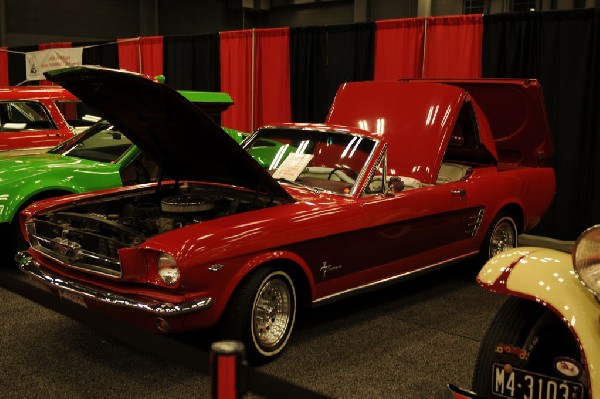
pixel 38 62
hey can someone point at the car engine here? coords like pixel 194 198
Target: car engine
pixel 89 234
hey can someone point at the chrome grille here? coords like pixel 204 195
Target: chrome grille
pixel 77 248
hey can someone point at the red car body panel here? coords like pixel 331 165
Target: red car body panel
pixel 36 138
pixel 332 243
pixel 429 231
pixel 433 110
pixel 516 110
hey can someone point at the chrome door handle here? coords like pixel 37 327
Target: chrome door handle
pixel 460 192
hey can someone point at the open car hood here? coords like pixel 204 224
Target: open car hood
pixel 516 113
pixel 183 139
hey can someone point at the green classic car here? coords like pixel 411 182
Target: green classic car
pixel 99 158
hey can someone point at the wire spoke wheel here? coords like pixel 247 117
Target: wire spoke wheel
pixel 271 313
pixel 503 237
pixel 500 236
pixel 262 314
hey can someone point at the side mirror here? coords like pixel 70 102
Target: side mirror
pixel 395 185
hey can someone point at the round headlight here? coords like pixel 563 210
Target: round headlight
pixel 586 258
pixel 167 269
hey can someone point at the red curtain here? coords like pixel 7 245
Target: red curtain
pixel 143 55
pixel 152 55
pixel 129 54
pixel 272 77
pixel 47 46
pixel 3 67
pixel 399 48
pixel 265 97
pixel 453 47
pixel 236 78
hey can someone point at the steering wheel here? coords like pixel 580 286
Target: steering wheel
pixel 353 175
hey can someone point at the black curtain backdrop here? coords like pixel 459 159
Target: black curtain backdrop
pixel 105 54
pixel 192 62
pixel 308 78
pixel 512 44
pixel 350 55
pixel 321 59
pixel 16 65
pixel 562 50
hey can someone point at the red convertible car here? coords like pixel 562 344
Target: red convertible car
pixel 403 178
pixel 35 119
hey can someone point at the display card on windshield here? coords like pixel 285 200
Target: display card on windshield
pixel 293 165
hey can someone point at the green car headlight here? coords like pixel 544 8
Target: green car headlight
pixel 168 271
pixel 586 258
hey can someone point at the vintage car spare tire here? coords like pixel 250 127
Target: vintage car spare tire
pixel 262 313
pixel 530 340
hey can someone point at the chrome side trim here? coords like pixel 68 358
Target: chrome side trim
pixel 34 270
pixel 390 280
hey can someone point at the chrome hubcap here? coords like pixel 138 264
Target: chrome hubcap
pixel 271 315
pixel 502 238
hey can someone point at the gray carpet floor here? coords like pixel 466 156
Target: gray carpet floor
pixel 408 340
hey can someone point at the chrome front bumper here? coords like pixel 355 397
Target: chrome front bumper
pixel 34 270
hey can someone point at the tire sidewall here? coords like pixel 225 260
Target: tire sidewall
pixel 509 327
pixel 515 324
pixel 275 350
pixel 237 320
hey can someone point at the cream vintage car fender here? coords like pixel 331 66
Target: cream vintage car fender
pixel 547 277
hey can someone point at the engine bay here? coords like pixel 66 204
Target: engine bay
pixel 132 218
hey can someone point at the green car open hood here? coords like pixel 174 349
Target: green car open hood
pixel 184 140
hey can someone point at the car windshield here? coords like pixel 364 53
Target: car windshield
pixel 102 142
pixel 319 160
pixel 78 115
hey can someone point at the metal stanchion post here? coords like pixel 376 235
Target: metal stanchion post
pixel 227 368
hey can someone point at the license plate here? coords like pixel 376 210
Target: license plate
pixel 521 384
pixel 72 297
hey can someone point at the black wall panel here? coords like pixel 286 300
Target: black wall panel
pixel 70 20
